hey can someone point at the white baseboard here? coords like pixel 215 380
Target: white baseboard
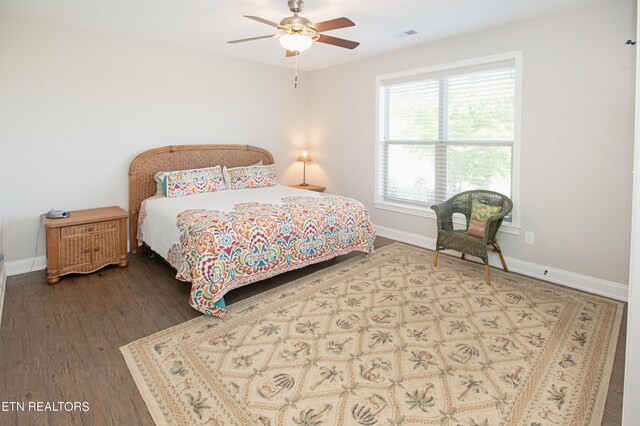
pixel 22 266
pixel 559 276
pixel 586 283
pixel 406 237
pixel 3 286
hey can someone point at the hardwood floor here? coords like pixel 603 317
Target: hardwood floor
pixel 60 342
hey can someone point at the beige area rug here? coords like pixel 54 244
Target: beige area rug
pixel 388 340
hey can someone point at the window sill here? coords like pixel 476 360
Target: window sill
pixel 506 228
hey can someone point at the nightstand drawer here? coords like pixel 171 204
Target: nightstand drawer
pixel 75 251
pixel 104 246
pixel 88 228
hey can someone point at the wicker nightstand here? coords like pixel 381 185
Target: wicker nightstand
pixel 315 188
pixel 86 241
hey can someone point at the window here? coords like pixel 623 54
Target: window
pixel 446 130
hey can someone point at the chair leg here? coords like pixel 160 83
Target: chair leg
pixel 435 259
pixel 487 273
pixel 462 256
pixel 504 264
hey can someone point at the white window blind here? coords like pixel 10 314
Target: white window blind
pixel 447 132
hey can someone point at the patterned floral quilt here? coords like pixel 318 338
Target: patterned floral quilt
pixel 219 251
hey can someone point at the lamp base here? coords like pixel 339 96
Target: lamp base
pixel 304 184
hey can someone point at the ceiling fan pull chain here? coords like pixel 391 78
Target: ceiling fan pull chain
pixel 295 80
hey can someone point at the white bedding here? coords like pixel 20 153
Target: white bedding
pixel 159 227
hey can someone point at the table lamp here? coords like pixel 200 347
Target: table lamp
pixel 304 156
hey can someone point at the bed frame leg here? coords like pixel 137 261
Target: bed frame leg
pixel 372 250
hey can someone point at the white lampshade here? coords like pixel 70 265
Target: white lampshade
pixel 296 42
pixel 304 156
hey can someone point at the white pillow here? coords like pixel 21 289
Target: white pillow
pixel 159 178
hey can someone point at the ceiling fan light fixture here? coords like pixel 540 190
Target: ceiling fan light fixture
pixel 296 42
pixel 298 33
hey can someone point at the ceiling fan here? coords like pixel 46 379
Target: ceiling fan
pixel 299 33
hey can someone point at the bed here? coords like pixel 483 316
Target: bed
pixel 222 240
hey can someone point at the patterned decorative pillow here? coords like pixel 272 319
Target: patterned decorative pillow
pixel 476 228
pixel 226 173
pixel 251 176
pixel 479 215
pixel 187 182
pixel 159 178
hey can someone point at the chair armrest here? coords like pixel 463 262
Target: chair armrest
pixel 493 224
pixel 444 214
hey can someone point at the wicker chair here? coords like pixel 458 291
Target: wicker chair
pixel 458 239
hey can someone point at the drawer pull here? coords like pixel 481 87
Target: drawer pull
pixel 69 231
pixel 85 251
pixel 96 249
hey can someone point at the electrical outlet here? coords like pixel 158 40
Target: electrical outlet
pixel 528 237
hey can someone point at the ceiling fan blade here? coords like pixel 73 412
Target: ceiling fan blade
pixel 264 21
pixel 340 42
pixel 334 24
pixel 290 53
pixel 242 40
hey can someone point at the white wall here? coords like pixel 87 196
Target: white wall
pixel 77 106
pixel 577 133
pixel 2 262
pixel 630 407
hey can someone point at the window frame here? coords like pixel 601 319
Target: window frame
pixel 415 209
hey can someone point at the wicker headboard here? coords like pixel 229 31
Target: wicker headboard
pixel 181 157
